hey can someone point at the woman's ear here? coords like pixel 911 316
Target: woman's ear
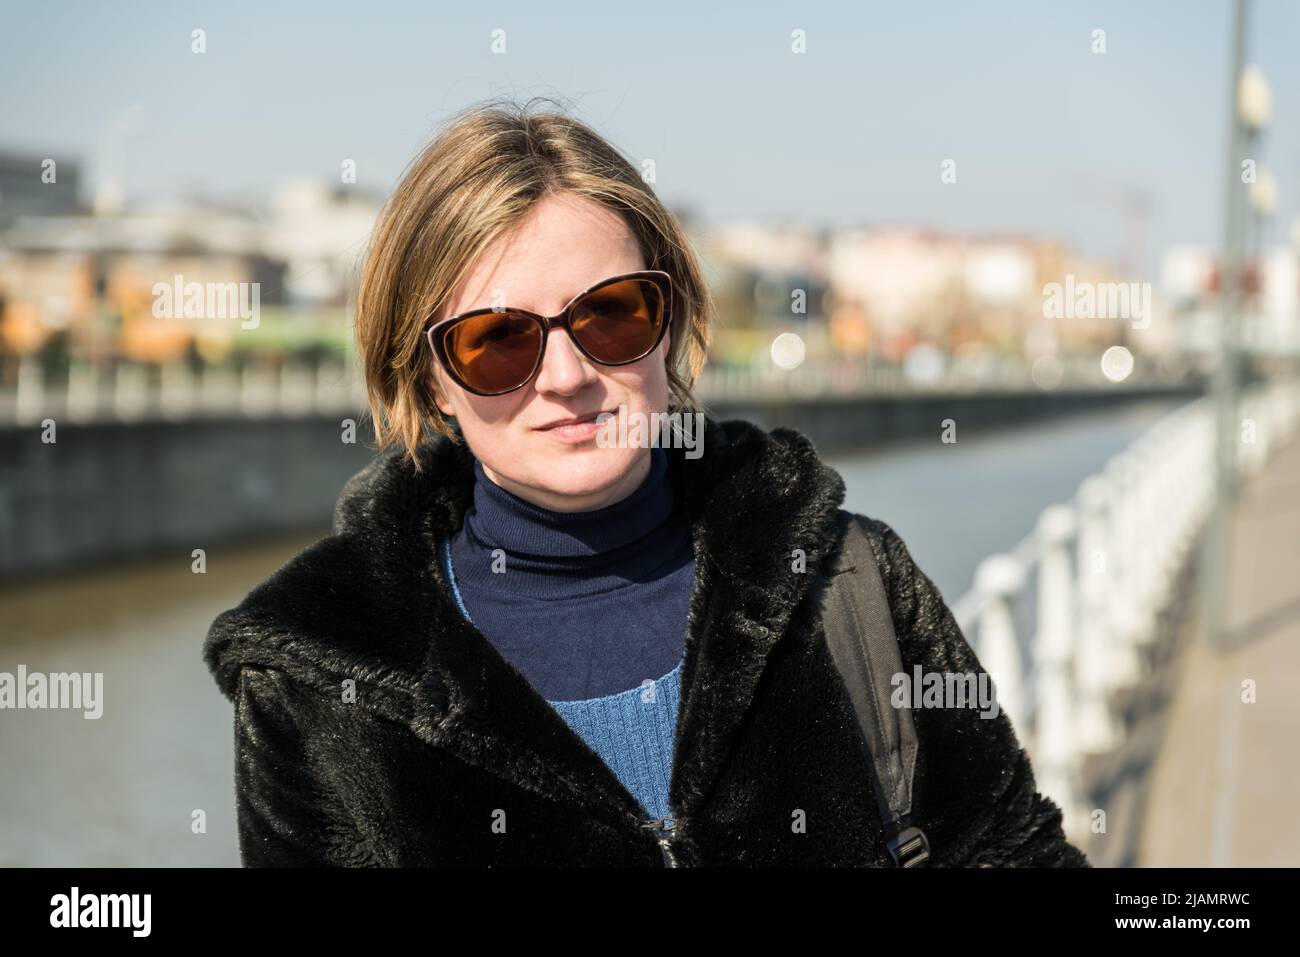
pixel 438 399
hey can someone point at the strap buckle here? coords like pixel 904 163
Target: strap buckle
pixel 909 847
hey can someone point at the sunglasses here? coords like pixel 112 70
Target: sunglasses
pixel 495 350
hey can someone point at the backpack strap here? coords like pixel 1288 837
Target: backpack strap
pixel 860 634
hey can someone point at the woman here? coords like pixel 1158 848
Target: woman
pixel 532 638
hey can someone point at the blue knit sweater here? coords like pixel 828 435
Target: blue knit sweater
pixel 590 607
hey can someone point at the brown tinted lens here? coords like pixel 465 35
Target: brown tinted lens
pixel 495 352
pixel 620 322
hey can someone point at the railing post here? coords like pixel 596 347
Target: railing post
pixel 83 391
pixel 297 389
pixel 177 393
pixel 30 401
pixel 1000 578
pixel 1055 754
pixel 1096 729
pixel 323 392
pixel 1124 619
pixel 257 391
pixel 130 391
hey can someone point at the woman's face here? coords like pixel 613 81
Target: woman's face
pixel 567 244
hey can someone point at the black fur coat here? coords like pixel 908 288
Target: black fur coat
pixel 374 725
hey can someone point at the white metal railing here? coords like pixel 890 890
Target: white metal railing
pixel 986 375
pixel 174 392
pixel 133 393
pixel 1103 566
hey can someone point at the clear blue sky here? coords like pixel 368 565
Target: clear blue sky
pixel 853 131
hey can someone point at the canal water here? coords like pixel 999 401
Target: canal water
pixel 127 788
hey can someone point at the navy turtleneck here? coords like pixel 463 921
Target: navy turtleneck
pixel 583 604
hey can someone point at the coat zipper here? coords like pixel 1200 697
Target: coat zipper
pixel 663 828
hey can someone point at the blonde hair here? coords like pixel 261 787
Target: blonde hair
pixel 472 185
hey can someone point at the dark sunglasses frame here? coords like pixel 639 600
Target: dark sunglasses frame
pixel 438 342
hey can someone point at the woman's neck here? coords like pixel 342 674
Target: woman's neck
pixel 551 554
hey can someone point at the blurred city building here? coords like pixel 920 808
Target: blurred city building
pixel 37 186
pixel 1190 277
pixel 86 285
pixel 80 283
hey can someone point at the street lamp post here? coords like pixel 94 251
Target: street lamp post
pixel 1248 111
pixel 1263 202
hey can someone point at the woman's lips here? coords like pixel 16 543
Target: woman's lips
pixel 575 431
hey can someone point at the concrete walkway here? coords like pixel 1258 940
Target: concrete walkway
pixel 1226 783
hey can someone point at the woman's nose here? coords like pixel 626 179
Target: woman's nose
pixel 564 368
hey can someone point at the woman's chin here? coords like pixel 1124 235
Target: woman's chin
pixel 586 469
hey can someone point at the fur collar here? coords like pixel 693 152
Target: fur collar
pixel 368 603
